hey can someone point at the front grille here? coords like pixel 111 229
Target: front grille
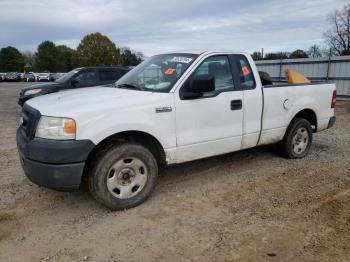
pixel 30 119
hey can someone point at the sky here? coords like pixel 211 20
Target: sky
pixel 158 26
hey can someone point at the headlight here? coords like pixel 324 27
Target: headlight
pixel 56 128
pixel 32 92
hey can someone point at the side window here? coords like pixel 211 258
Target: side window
pixel 108 76
pixel 86 78
pixel 246 76
pixel 219 67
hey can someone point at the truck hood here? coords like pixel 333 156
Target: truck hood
pixel 84 101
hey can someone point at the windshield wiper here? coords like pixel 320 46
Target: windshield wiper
pixel 130 86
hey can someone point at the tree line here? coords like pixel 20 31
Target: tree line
pixel 337 39
pixel 93 50
pixel 314 52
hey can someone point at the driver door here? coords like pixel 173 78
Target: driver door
pixel 212 124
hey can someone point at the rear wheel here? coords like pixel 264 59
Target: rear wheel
pixel 123 176
pixel 297 140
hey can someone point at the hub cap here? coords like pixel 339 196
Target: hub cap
pixel 300 141
pixel 127 177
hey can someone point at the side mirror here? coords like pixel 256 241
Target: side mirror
pixel 199 85
pixel 74 82
pixel 265 78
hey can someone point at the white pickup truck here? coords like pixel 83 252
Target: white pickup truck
pixel 170 109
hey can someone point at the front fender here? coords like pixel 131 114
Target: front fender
pixel 160 126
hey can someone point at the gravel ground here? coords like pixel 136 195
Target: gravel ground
pixel 245 206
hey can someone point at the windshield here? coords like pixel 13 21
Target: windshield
pixel 67 76
pixel 158 73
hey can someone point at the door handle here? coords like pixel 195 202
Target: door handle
pixel 236 104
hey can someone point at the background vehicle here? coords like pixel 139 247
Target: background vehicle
pixel 170 109
pixel 2 77
pixel 77 78
pixel 12 77
pixel 29 77
pixel 54 77
pixel 43 77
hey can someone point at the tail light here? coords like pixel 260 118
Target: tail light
pixel 334 99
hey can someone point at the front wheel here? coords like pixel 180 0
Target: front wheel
pixel 123 176
pixel 297 140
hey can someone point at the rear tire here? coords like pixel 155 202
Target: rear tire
pixel 123 176
pixel 297 140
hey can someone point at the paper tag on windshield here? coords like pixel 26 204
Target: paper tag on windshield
pixel 170 71
pixel 181 59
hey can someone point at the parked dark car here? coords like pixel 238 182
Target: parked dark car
pixel 29 77
pixel 77 78
pixel 13 77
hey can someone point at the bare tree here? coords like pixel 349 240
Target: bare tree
pixel 338 36
pixel 314 51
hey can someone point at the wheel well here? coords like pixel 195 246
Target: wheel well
pixel 142 138
pixel 310 116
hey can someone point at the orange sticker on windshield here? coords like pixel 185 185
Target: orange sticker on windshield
pixel 245 71
pixel 170 71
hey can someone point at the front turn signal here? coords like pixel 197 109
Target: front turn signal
pixel 69 126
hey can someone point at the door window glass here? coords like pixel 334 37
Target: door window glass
pixel 87 78
pixel 219 67
pixel 245 72
pixel 108 76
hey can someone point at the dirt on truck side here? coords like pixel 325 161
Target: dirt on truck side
pixel 245 206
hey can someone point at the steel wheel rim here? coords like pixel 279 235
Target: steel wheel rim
pixel 300 141
pixel 127 177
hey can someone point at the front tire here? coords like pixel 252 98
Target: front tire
pixel 297 140
pixel 123 176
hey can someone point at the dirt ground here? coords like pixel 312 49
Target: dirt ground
pixel 245 206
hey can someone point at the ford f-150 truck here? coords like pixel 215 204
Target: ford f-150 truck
pixel 170 109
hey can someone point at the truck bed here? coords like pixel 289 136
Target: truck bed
pixel 283 101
